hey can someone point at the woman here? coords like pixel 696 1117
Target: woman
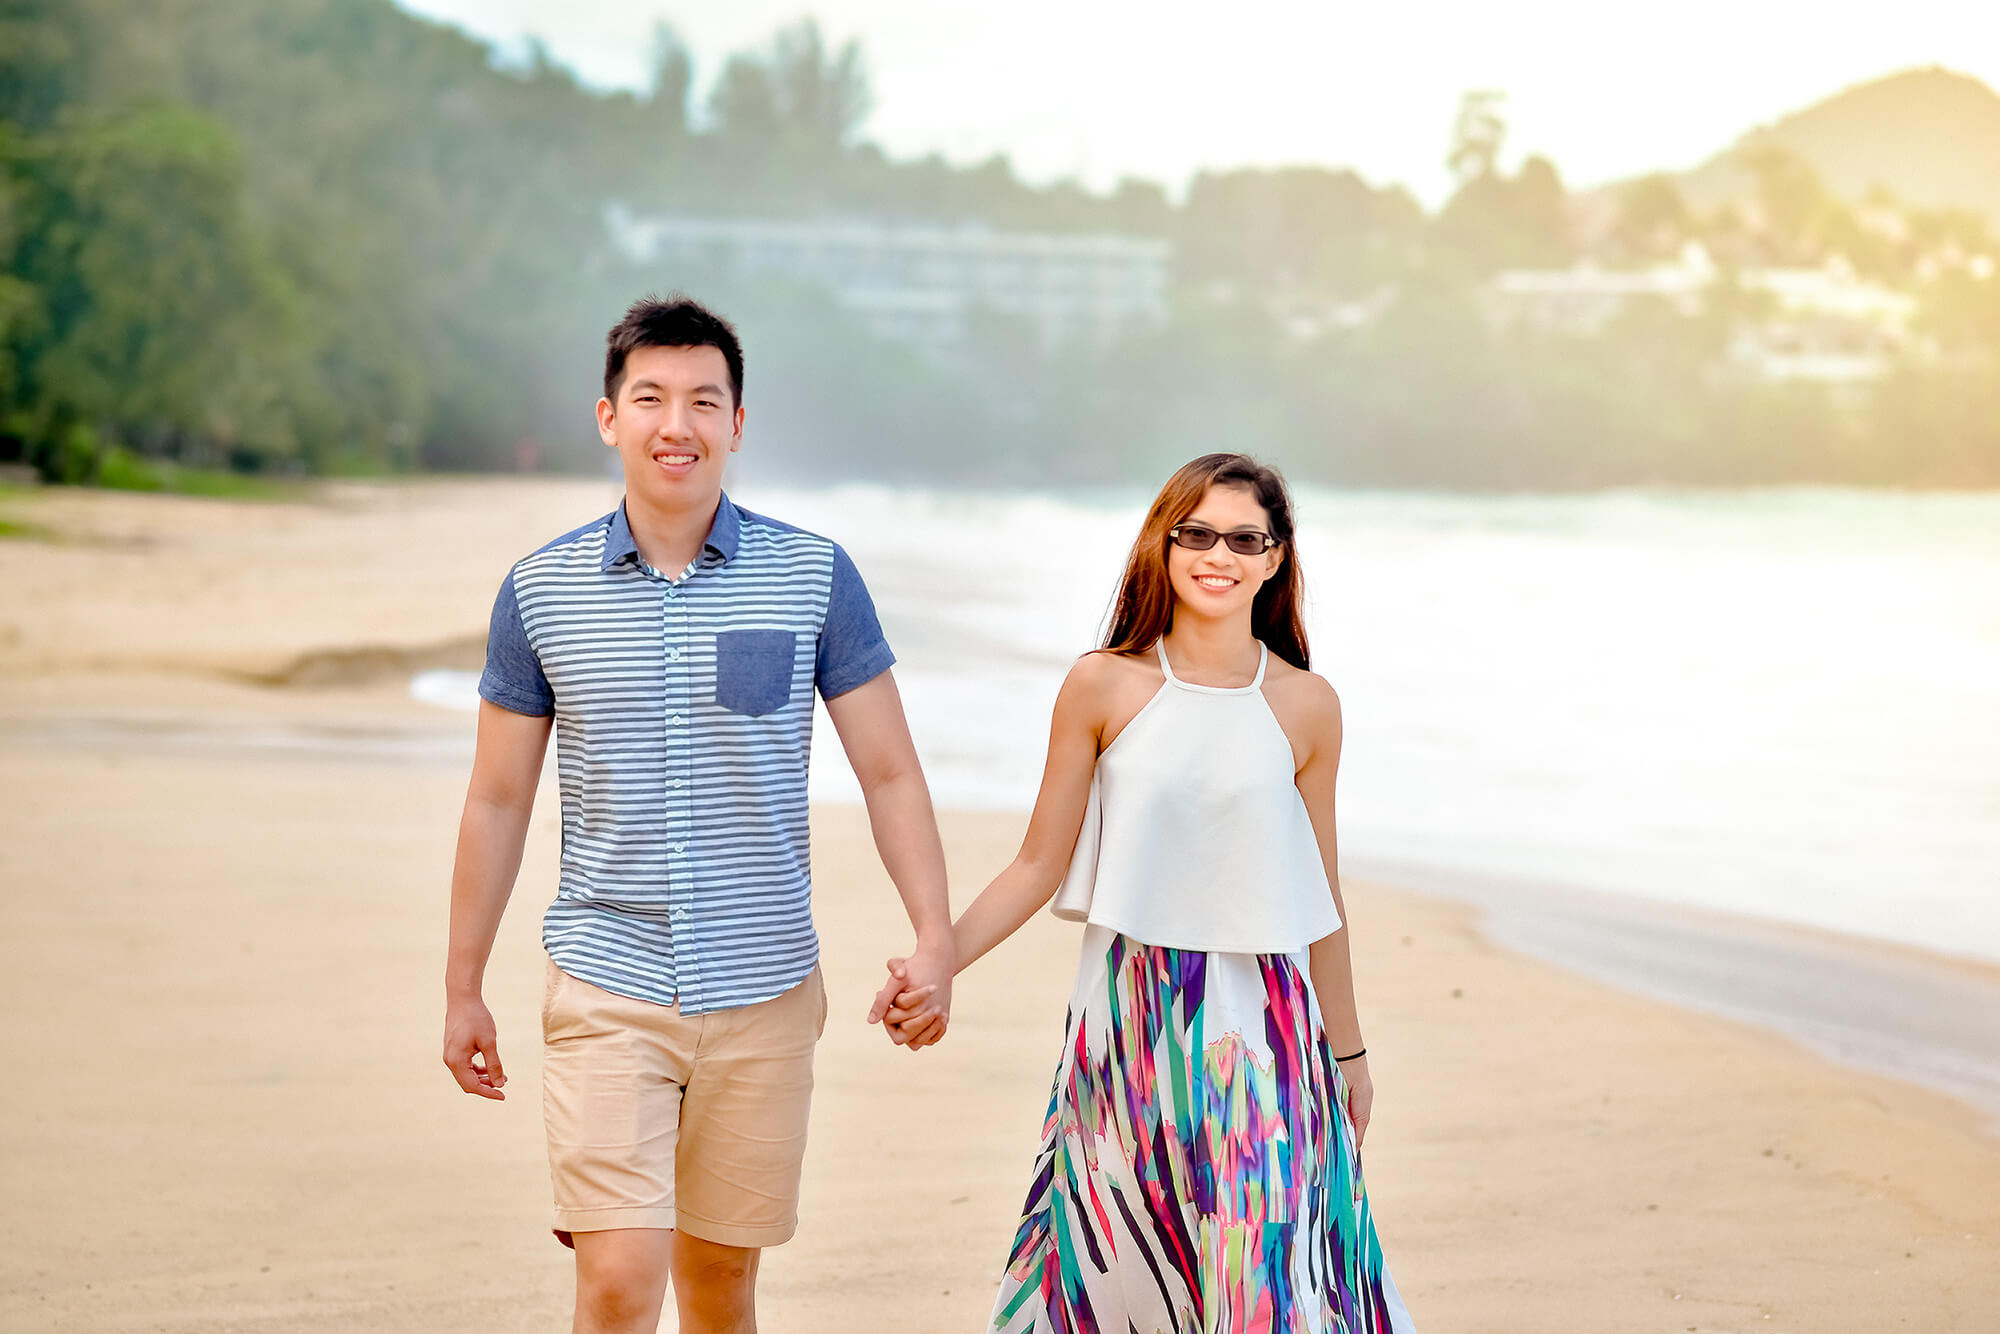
pixel 1198 1167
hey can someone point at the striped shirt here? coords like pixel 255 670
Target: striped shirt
pixel 683 712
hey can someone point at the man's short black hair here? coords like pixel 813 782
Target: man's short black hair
pixel 677 321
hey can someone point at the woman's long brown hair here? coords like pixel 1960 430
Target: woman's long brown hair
pixel 1144 607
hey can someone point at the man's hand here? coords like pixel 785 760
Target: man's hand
pixel 914 1005
pixel 472 1048
pixel 895 1006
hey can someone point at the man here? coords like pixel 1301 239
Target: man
pixel 675 645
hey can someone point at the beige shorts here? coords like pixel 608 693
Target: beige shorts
pixel 656 1119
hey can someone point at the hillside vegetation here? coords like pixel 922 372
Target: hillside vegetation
pixel 324 236
pixel 1928 137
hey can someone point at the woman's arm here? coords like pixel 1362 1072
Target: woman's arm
pixel 1332 966
pixel 1032 878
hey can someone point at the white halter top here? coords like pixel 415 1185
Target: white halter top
pixel 1196 836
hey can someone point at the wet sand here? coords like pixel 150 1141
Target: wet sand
pixel 220 942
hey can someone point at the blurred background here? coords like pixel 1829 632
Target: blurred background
pixel 341 236
pixel 1638 376
pixel 1648 514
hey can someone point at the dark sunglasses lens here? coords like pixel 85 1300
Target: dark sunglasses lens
pixel 1195 539
pixel 1246 544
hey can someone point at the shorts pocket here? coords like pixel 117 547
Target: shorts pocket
pixel 550 984
pixel 753 670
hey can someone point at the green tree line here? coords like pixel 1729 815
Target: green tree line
pixel 326 237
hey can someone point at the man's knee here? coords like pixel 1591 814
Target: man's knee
pixel 616 1305
pixel 621 1280
pixel 713 1280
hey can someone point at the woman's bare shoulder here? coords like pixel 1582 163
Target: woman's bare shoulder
pixel 1103 670
pixel 1302 696
pixel 1108 688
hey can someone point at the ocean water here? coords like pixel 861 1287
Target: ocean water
pixel 1782 704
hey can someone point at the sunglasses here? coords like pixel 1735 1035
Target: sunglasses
pixel 1243 542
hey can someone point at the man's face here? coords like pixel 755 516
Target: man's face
pixel 674 425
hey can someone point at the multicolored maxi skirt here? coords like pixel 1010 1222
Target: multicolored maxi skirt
pixel 1197 1173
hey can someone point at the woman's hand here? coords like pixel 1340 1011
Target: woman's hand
pixel 1360 1095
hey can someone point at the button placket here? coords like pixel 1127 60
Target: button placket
pixel 679 704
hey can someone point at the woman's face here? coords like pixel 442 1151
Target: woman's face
pixel 1218 582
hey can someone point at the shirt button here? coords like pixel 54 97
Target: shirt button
pixel 674 719
pixel 679 784
pixel 681 846
pixel 673 655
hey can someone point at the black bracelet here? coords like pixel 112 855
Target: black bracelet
pixel 1342 1060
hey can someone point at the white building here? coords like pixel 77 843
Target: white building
pixel 1824 324
pixel 1584 298
pixel 923 283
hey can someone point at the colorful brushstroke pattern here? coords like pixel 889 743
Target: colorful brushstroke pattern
pixel 1197 1174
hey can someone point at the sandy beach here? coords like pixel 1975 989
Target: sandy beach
pixel 229 836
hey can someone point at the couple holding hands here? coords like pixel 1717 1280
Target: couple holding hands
pixel 1198 1169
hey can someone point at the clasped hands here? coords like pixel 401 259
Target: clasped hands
pixel 914 1004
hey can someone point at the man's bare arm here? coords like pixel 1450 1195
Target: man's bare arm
pixel 506 767
pixel 876 737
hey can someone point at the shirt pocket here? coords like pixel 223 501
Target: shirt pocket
pixel 753 670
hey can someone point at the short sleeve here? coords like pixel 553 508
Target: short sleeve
pixel 513 678
pixel 852 651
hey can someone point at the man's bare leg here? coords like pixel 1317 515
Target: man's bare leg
pixel 621 1279
pixel 715 1286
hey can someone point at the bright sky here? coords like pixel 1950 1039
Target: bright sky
pixel 1105 88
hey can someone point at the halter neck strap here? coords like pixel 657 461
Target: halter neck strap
pixel 1256 682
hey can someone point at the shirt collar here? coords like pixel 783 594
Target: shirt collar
pixel 723 534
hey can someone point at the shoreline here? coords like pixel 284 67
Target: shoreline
pixel 1874 1006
